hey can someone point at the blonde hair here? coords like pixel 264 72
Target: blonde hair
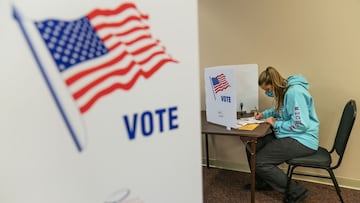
pixel 270 76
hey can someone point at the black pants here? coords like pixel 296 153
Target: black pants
pixel 271 152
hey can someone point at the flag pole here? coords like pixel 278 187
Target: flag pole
pixel 18 18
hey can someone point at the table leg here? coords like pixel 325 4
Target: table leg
pixel 252 169
pixel 207 150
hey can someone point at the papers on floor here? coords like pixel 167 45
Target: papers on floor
pixel 249 123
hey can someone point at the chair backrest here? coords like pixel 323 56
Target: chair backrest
pixel 344 130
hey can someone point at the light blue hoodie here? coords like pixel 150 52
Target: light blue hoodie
pixel 297 118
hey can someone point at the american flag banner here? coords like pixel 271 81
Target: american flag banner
pixel 219 83
pixel 103 51
pixel 96 54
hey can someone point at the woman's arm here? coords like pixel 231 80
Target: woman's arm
pixel 296 106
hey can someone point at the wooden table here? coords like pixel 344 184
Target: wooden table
pixel 248 137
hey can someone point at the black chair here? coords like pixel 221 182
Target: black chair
pixel 322 158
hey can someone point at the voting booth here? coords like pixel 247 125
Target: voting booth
pixel 93 102
pixel 230 89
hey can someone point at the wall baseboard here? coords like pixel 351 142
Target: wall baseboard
pixel 342 181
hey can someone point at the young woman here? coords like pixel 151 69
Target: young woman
pixel 295 126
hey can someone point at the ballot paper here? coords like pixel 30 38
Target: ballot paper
pixel 248 120
pixel 248 123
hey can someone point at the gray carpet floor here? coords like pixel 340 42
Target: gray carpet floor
pixel 226 186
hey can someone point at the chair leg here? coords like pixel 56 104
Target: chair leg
pixel 288 170
pixel 333 178
pixel 289 176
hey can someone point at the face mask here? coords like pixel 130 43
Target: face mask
pixel 269 93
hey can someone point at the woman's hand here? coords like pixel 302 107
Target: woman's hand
pixel 258 115
pixel 270 120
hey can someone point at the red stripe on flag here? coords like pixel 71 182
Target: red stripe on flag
pixel 118 24
pixel 102 78
pixel 118 72
pixel 109 12
pixel 126 86
pixel 82 74
pixel 132 30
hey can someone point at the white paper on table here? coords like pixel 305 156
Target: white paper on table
pixel 248 120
